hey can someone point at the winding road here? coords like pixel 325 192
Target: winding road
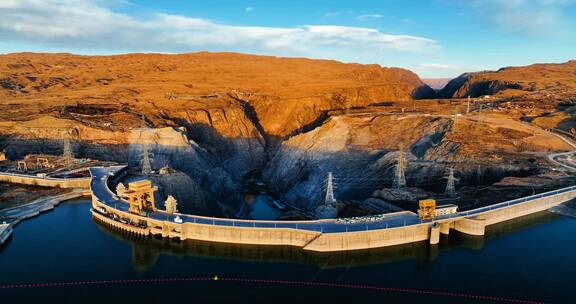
pixel 570 165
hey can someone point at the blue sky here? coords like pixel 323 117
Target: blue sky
pixel 436 38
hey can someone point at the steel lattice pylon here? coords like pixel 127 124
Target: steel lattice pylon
pixel 146 166
pixel 329 199
pixel 328 208
pixel 450 185
pixel 67 153
pixel 400 177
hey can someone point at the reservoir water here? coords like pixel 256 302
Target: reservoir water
pixel 72 259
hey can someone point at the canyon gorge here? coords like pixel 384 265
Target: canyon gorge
pixel 215 118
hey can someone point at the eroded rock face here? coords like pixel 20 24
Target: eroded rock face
pixel 217 174
pixel 191 196
pixel 362 153
pixel 553 78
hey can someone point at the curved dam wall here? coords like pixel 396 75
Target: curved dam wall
pixel 320 235
pixel 312 236
pixel 15 178
pixel 307 240
pixel 475 225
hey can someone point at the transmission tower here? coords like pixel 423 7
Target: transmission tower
pixel 67 154
pixel 400 179
pixel 330 199
pixel 450 185
pixel 328 208
pixel 146 166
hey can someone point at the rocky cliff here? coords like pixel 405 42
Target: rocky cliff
pixel 551 78
pixel 362 152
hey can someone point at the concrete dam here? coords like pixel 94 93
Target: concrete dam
pixel 316 235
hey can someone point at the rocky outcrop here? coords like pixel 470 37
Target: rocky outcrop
pixel 551 78
pixel 190 195
pixel 214 177
pixel 469 85
pixel 362 152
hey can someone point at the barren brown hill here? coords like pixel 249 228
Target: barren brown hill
pixel 284 93
pixel 514 81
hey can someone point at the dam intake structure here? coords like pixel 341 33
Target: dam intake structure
pixel 328 235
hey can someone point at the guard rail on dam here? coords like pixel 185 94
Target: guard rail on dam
pixel 16 178
pixel 320 235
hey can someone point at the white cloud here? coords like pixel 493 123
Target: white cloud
pixel 369 16
pixel 249 9
pixel 337 14
pixel 87 24
pixel 370 38
pixel 540 17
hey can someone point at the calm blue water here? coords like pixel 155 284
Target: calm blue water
pixel 529 259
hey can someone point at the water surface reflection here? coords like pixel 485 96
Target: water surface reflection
pixel 146 250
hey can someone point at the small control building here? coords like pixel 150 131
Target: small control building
pixel 427 209
pixel 446 209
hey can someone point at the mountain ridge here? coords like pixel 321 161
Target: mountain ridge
pixel 271 85
pixel 558 78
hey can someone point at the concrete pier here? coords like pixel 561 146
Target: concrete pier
pixel 445 227
pixel 434 234
pixel 472 226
